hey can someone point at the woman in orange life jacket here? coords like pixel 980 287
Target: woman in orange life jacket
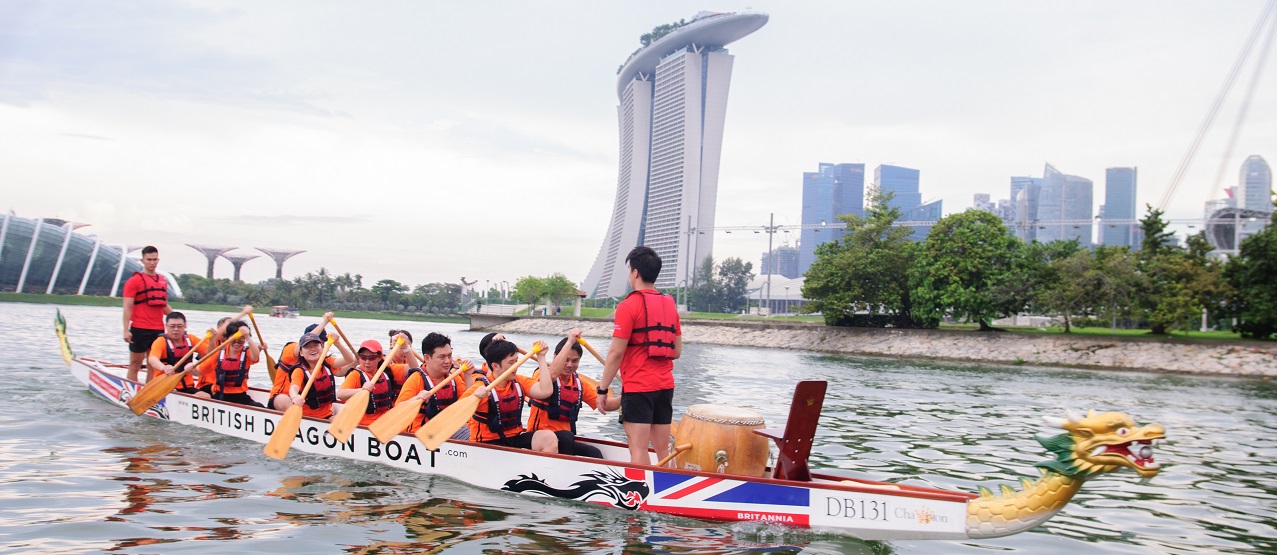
pixel 318 402
pixel 500 411
pixel 171 347
pixel 381 394
pixel 437 349
pixel 558 412
pixel 287 362
pixel 224 376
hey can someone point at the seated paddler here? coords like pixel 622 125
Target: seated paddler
pixel 437 372
pixel 318 402
pixel 499 417
pixel 381 393
pixel 224 375
pixel 169 348
pixel 558 413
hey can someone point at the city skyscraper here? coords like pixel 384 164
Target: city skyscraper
pixel 1119 204
pixel 1255 186
pixel 831 190
pixel 901 181
pixel 1056 207
pixel 673 104
pixel 786 260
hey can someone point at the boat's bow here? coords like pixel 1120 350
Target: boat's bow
pixel 1094 445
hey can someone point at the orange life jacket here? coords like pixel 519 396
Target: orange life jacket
pixel 505 412
pixel 231 372
pixel 659 316
pixel 565 404
pixel 153 294
pixel 172 354
pixel 323 391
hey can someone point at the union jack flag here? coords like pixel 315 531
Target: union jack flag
pixel 725 498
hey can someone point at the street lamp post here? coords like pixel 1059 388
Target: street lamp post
pixel 786 299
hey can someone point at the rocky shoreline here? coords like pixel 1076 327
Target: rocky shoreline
pixel 1253 359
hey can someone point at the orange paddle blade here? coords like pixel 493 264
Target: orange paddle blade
pixel 285 432
pixel 443 425
pixel 388 425
pixel 153 391
pixel 348 418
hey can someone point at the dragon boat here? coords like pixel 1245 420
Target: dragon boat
pixel 786 492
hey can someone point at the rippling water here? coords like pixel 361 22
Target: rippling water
pixel 78 475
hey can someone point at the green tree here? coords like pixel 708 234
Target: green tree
pixel 1073 289
pixel 965 257
pixel 1171 299
pixel 1253 277
pixel 868 271
pixel 388 290
pixel 558 287
pixel 1121 283
pixel 703 294
pixel 734 275
pixel 529 289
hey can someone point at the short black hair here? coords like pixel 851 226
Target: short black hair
pixel 487 340
pixel 497 351
pixel 235 326
pixel 149 249
pixel 175 315
pixel 575 347
pixel 646 261
pixel 433 341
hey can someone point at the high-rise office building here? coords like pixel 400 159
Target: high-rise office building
pixel 785 259
pixel 902 182
pixel 1116 226
pixel 828 192
pixel 929 212
pixel 1056 207
pixel 1255 186
pixel 673 103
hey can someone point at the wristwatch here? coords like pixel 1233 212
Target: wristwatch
pixel 601 390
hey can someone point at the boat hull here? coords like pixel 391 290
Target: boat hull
pixel 863 509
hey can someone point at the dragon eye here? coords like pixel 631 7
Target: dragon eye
pixel 1123 432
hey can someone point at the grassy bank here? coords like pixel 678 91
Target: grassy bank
pixel 87 300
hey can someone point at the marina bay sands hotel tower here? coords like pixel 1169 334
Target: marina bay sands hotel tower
pixel 673 102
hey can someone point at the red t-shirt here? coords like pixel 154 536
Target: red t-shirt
pixel 639 372
pixel 145 316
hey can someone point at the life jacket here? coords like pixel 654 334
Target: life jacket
pixel 659 316
pixel 324 389
pixel 565 404
pixel 382 396
pixel 442 399
pixel 172 354
pixel 231 372
pixel 502 409
pixel 153 294
pixel 284 371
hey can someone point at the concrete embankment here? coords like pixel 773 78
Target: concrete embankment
pixel 1150 354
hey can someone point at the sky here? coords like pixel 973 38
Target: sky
pixel 429 141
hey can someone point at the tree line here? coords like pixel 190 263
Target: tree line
pixel 323 289
pixel 970 268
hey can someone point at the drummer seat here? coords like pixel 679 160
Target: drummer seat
pixel 795 443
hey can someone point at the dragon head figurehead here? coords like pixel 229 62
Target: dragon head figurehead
pixel 1102 442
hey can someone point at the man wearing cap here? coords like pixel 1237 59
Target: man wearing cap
pixel 381 394
pixel 437 348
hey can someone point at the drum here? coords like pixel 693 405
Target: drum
pixel 722 441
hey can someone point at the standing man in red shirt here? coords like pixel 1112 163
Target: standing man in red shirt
pixel 145 305
pixel 646 338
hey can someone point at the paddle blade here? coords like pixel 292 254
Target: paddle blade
pixel 446 423
pixel 389 425
pixel 270 365
pixel 60 326
pixel 153 391
pixel 282 439
pixel 351 413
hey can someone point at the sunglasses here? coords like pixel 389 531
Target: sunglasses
pixel 369 357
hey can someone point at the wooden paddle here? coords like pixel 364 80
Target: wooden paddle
pixel 587 346
pixel 344 339
pixel 357 405
pixel 453 418
pixel 396 419
pixel 286 431
pixel 674 453
pixel 270 362
pixel 161 386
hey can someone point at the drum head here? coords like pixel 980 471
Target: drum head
pixel 721 414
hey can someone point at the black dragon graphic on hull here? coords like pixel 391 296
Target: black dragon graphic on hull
pixel 616 489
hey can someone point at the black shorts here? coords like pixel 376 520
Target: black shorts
pixel 143 339
pixel 521 441
pixel 568 445
pixel 188 390
pixel 241 399
pixel 648 407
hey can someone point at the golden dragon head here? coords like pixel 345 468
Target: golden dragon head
pixel 1102 442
